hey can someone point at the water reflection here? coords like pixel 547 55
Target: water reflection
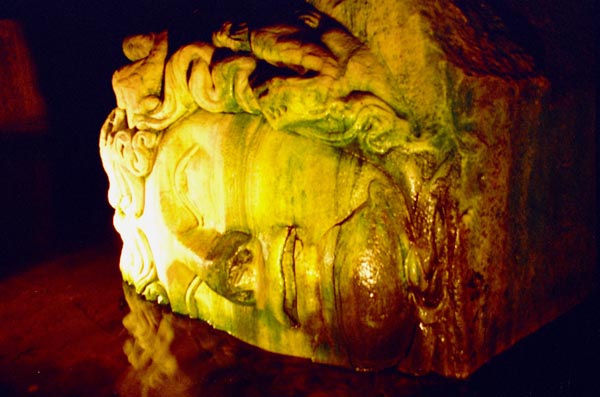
pixel 170 355
pixel 154 368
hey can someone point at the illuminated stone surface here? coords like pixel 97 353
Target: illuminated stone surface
pixel 366 196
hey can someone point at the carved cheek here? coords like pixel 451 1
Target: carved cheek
pixel 376 318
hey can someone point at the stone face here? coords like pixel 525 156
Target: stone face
pixel 359 185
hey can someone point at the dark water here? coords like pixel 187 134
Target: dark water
pixel 70 328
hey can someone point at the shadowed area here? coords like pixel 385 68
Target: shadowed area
pixel 70 328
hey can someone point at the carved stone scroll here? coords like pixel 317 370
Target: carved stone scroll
pixel 341 185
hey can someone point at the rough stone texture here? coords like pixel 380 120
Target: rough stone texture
pixel 385 195
pixel 528 249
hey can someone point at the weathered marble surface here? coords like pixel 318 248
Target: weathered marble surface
pixel 362 190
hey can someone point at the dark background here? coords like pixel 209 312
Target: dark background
pixel 53 198
pixel 54 195
pixel 54 188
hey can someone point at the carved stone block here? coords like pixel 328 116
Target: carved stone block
pixel 358 185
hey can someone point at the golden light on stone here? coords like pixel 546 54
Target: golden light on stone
pixel 367 204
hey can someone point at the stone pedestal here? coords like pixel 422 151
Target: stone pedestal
pixel 367 184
